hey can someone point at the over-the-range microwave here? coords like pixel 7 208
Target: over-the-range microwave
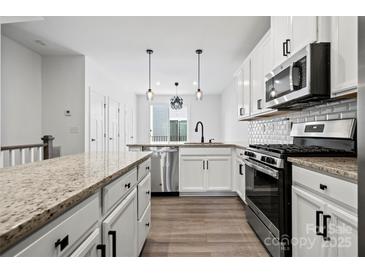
pixel 302 80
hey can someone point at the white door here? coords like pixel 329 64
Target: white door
pixel 97 122
pixel 342 232
pixel 120 228
pixel 257 78
pixel 192 173
pixel 280 30
pixel 129 125
pixel 343 54
pixel 219 174
pixel 305 209
pixel 91 247
pixel 304 32
pixel 113 125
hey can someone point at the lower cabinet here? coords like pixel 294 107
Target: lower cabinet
pixel 91 247
pixel 205 173
pixel 120 228
pixel 144 224
pixel 239 174
pixel 321 227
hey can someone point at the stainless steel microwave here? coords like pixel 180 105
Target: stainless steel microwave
pixel 302 80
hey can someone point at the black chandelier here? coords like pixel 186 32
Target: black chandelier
pixel 176 102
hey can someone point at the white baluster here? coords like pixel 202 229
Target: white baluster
pixel 22 156
pixel 32 154
pixel 40 153
pixel 12 157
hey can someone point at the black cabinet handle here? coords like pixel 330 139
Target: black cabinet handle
pixel 259 106
pixel 322 186
pixel 113 233
pixel 240 169
pixel 203 164
pixel 102 248
pixel 62 243
pixel 127 185
pixel 207 164
pixel 147 224
pixel 284 49
pixel 325 227
pixel 147 168
pixel 318 216
pixel 242 111
pixel 287 46
pixel 93 140
pixel 148 192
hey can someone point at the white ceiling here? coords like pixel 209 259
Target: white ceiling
pixel 118 44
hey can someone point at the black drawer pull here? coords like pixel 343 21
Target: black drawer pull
pixel 62 243
pixel 127 185
pixel 284 49
pixel 148 192
pixel 323 187
pixel 113 233
pixel 147 224
pixel 102 248
pixel 240 169
pixel 147 168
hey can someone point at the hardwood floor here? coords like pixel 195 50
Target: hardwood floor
pixel 200 226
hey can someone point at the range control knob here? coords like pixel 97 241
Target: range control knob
pixel 263 158
pixel 270 160
pixel 250 154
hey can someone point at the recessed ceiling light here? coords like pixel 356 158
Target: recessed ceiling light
pixel 158 83
pixel 195 83
pixel 40 42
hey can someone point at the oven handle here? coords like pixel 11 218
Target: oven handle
pixel 269 171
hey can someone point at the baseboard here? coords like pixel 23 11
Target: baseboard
pixel 210 194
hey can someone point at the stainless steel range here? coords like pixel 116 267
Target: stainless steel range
pixel 269 176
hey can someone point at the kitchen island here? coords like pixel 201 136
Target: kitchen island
pixel 32 195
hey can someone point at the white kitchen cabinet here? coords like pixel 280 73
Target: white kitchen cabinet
pixel 91 247
pixel 305 242
pixel 239 173
pixel 120 228
pixel 333 202
pixel 344 61
pixel 242 82
pixel 219 172
pixel 291 33
pixel 192 174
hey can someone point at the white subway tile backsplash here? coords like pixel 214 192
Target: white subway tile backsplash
pixel 277 130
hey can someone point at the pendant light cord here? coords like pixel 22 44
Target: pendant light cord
pixel 198 71
pixel 149 69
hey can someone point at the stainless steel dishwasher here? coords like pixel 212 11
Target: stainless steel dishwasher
pixel 164 170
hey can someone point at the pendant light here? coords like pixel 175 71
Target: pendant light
pixel 149 93
pixel 199 93
pixel 176 102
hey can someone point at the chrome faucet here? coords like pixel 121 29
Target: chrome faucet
pixel 196 130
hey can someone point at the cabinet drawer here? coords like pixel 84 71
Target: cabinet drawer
pixel 144 195
pixel 69 232
pixel 144 225
pixel 143 169
pixel 216 151
pixel 329 187
pixel 88 248
pixel 114 191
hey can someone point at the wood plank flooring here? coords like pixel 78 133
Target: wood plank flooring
pixel 200 226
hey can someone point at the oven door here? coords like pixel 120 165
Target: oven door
pixel 263 193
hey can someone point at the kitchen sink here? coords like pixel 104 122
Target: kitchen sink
pixel 199 143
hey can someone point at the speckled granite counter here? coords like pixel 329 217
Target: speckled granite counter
pixel 32 195
pixel 242 146
pixel 345 167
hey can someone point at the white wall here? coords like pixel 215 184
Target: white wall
pixel 21 97
pixel 63 81
pixel 208 111
pixel 232 130
pixel 100 81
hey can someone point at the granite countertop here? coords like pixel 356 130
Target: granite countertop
pixel 345 167
pixel 236 145
pixel 32 195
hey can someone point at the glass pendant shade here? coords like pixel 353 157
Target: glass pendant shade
pixel 176 102
pixel 149 95
pixel 199 95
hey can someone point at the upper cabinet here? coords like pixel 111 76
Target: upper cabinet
pixel 242 82
pixel 291 33
pixel 343 55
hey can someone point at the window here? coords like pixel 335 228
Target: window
pixel 168 125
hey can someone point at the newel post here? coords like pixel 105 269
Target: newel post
pixel 48 148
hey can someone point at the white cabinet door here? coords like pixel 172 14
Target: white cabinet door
pixel 120 228
pixel 343 54
pixel 303 32
pixel 305 207
pixel 192 174
pixel 342 232
pixel 97 122
pixel 281 31
pixel 257 84
pixel 242 82
pixel 239 173
pixel 91 247
pixel 238 87
pixel 113 125
pixel 267 51
pixel 218 174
